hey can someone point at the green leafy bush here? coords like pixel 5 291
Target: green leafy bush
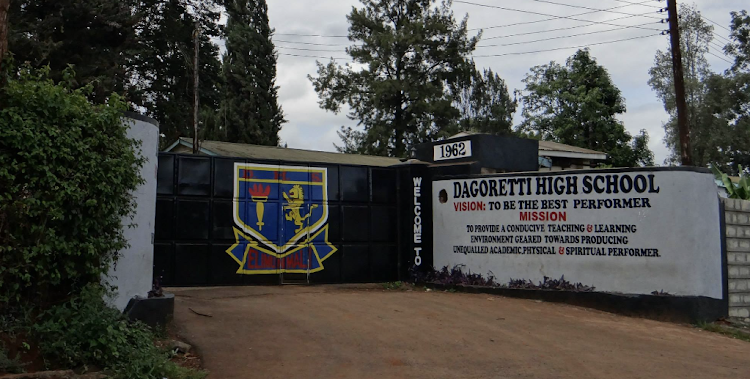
pixel 393 285
pixel 8 364
pixel 67 171
pixel 739 190
pixel 85 332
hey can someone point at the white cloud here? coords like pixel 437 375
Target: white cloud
pixel 627 62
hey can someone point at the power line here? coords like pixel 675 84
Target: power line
pixel 555 18
pixel 641 3
pixel 484 46
pixel 717 46
pixel 725 60
pixel 582 7
pixel 558 37
pixel 566 48
pixel 303 49
pixel 488 38
pixel 309 43
pixel 310 35
pixel 716 23
pixel 549 15
pixel 313 56
pixel 551 30
pixel 506 54
pixel 479 46
pixel 724 39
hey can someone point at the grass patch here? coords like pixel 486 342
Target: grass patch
pixel 726 330
pixel 390 286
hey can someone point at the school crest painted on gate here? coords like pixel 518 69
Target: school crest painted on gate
pixel 280 219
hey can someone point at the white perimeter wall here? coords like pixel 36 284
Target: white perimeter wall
pixel 678 236
pixel 133 273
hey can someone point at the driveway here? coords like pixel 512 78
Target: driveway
pixel 367 332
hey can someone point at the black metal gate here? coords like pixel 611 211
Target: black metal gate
pixel 225 221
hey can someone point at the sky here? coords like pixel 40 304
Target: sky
pixel 628 62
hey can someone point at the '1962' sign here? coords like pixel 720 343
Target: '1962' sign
pixel 455 150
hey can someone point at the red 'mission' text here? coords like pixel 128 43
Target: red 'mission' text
pixel 544 216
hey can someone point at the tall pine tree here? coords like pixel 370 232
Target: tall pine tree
pixel 96 37
pixel 163 64
pixel 4 8
pixel 411 52
pixel 485 103
pixel 142 48
pixel 250 109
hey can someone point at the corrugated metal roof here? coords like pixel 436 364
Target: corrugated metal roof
pixel 554 146
pixel 242 150
pixel 544 145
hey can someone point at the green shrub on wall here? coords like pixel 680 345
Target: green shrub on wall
pixel 67 171
pixel 739 190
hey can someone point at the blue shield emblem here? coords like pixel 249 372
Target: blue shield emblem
pixel 281 219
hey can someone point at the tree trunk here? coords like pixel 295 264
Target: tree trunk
pixel 398 144
pixel 196 36
pixel 4 8
pixel 398 118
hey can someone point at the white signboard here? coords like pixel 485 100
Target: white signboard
pixel 453 150
pixel 621 231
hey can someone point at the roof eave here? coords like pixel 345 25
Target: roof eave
pixel 568 154
pixel 190 145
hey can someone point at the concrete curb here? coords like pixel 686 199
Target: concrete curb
pixel 678 309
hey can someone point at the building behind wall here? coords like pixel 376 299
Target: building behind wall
pixel 243 150
pixel 554 156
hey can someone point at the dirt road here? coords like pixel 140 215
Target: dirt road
pixel 366 332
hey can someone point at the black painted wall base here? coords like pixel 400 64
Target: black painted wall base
pixel 680 309
pixel 155 311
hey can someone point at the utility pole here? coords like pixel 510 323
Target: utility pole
pixel 196 34
pixel 679 84
pixel 4 9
